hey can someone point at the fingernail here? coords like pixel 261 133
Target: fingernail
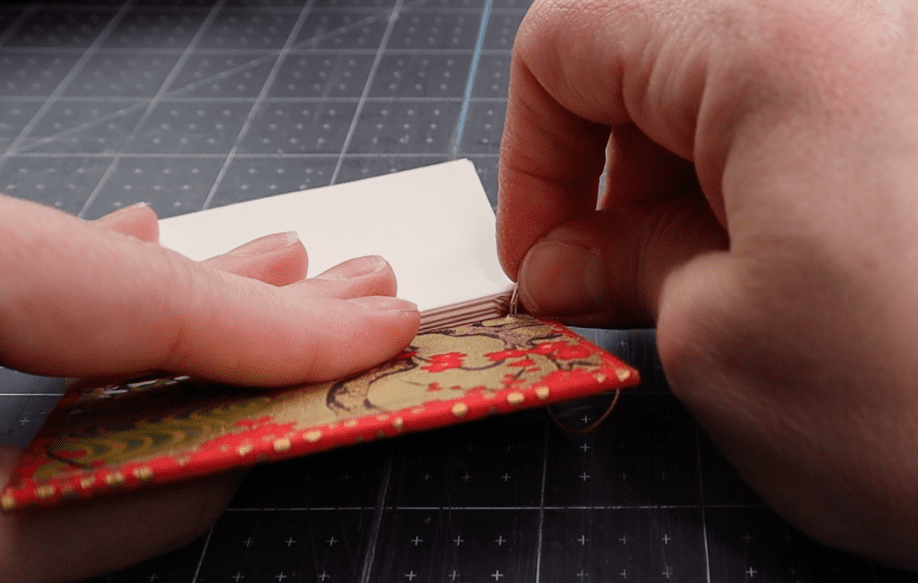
pixel 558 279
pixel 266 244
pixel 355 268
pixel 385 304
pixel 127 209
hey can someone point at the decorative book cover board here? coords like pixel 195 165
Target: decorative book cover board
pixel 122 435
pixel 436 228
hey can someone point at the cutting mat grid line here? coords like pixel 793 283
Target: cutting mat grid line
pixel 272 74
pixel 193 104
pixel 255 53
pixel 150 107
pixel 392 19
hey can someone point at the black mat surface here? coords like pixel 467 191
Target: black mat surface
pixel 196 104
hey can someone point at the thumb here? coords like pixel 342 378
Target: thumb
pixel 607 268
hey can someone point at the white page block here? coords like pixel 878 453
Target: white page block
pixel 434 225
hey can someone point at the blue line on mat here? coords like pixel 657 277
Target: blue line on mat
pixel 460 126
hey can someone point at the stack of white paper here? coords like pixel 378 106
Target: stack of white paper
pixel 434 225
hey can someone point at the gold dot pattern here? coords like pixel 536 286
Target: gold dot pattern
pixel 115 479
pixel 45 492
pixel 143 474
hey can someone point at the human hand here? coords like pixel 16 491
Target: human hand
pixel 759 208
pixel 102 298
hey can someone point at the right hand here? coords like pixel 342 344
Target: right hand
pixel 761 210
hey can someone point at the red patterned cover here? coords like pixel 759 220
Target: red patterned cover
pixel 120 436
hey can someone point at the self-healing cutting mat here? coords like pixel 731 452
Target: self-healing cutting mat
pixel 195 104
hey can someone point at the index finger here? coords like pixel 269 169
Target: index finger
pixel 552 149
pixel 578 70
pixel 550 164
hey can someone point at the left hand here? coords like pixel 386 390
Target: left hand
pixel 102 298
